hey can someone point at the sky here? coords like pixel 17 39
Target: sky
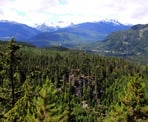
pixel 33 12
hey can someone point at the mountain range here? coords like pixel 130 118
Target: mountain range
pixel 73 35
pixel 78 34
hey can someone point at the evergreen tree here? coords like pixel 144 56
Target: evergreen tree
pixel 9 82
pixel 48 107
pixel 12 63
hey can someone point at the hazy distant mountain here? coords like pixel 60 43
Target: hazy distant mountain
pixel 132 42
pixel 78 34
pixel 19 31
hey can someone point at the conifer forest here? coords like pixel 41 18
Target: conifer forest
pixel 63 85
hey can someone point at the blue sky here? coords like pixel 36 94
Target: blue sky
pixel 76 11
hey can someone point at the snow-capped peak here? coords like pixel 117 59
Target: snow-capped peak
pixel 116 22
pixel 58 24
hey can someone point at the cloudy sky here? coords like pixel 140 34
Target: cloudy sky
pixel 76 11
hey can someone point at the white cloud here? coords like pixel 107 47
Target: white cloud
pixel 40 11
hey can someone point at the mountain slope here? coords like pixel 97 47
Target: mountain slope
pixel 78 34
pixel 130 43
pixel 19 31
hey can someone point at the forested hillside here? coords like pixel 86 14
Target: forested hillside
pixel 61 85
pixel 131 44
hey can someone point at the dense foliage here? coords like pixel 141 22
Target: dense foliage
pixel 63 85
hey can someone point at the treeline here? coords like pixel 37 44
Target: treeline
pixel 49 85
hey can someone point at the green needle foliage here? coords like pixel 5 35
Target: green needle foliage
pixel 133 104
